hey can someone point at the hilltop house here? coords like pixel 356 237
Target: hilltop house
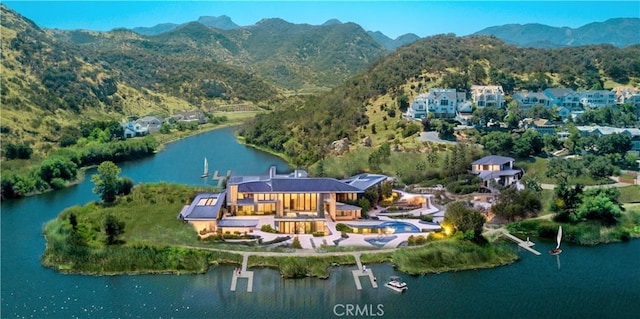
pixel 488 96
pixel 498 169
pixel 294 203
pixel 443 103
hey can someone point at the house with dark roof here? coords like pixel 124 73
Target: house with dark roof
pixel 299 204
pixel 498 169
pixel 152 123
pixel 204 212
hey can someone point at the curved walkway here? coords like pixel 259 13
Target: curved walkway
pixel 616 184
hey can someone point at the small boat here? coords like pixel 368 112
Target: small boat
pixel 557 251
pixel 396 284
pixel 206 169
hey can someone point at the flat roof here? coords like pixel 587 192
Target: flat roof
pixel 227 222
pixel 343 206
pixel 365 180
pixel 298 185
pixel 493 159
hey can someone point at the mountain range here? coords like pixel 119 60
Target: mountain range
pixel 56 78
pixel 620 32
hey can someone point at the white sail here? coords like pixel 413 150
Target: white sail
pixel 559 236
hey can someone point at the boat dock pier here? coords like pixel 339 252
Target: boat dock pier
pixel 362 272
pixel 243 273
pixel 524 244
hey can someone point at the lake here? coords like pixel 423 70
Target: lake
pixel 583 282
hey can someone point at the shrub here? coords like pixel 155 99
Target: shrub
pixel 296 243
pixel 57 183
pixel 267 229
pixel 318 234
pixel 344 235
pixel 343 228
pixel 426 218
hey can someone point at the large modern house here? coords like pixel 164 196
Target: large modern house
pixel 294 203
pixel 498 169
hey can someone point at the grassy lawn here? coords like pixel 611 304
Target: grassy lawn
pixel 538 167
pixel 630 194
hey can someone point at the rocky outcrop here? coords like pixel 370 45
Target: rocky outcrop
pixel 366 141
pixel 339 147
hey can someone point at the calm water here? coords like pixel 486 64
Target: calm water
pixel 593 282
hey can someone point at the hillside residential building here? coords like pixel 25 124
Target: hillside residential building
pixel 294 203
pixel 529 99
pixel 542 126
pixel 498 169
pixel 597 99
pixel 190 116
pixel 440 102
pixel 132 129
pixel 563 97
pixel 152 123
pixel 488 95
pixel 633 133
pixel 628 95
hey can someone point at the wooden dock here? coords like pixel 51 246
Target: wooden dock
pixel 243 273
pixel 362 272
pixel 524 244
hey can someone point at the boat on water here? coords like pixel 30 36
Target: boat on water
pixel 557 251
pixel 396 284
pixel 206 169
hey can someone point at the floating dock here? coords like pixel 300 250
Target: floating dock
pixel 243 273
pixel 362 272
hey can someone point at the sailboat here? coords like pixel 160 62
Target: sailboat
pixel 557 251
pixel 206 169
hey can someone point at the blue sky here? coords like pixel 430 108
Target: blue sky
pixel 393 18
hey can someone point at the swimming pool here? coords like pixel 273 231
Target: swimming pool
pixel 396 226
pixel 380 241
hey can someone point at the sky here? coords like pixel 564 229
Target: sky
pixel 393 18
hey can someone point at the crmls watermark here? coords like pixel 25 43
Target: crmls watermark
pixel 356 310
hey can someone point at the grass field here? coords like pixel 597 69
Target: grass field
pixel 538 167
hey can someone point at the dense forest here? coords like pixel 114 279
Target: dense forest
pixel 304 131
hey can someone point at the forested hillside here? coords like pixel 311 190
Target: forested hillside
pixel 48 84
pixel 304 131
pixel 292 56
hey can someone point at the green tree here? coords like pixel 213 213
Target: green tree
pixel 296 243
pixel 464 219
pixel 113 228
pixel 513 203
pixel 497 142
pixel 17 151
pixel 529 143
pixel 600 208
pixel 106 181
pixel 445 129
